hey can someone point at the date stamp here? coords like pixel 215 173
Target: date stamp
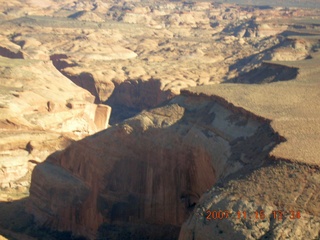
pixel 257 215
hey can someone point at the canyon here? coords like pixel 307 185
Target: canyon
pixel 141 120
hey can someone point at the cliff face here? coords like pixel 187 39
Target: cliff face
pixel 139 94
pixel 280 199
pixel 41 111
pixel 151 169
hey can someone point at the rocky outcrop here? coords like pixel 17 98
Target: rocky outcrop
pixel 14 165
pixel 39 105
pixel 139 94
pixel 21 150
pixel 197 140
pixel 41 111
pixel 270 64
pixel 251 207
pixel 267 202
pixel 102 116
pixel 145 175
pixel 292 50
pixel 151 169
pixel 253 28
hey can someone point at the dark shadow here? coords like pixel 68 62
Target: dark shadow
pixel 138 232
pixel 132 96
pixel 17 224
pixel 121 113
pixel 127 99
pixel 59 61
pixel 77 14
pixel 267 73
pixel 289 33
pixel 125 173
pixel 4 52
pixel 84 80
pixel 246 60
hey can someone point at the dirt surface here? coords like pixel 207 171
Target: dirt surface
pixel 283 192
pixel 292 106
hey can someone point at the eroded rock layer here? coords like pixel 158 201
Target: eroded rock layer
pixel 151 169
pixel 41 111
pixel 279 200
pixel 144 176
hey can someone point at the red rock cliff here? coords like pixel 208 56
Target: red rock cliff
pixel 150 169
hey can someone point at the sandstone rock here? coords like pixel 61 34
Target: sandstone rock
pixel 140 94
pixel 34 107
pixel 136 18
pixel 248 216
pixel 102 117
pixel 291 50
pixel 105 89
pixel 13 166
pixel 288 55
pixel 152 169
pixel 190 143
pixel 265 30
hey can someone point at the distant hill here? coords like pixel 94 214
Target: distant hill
pixel 280 3
pixel 86 16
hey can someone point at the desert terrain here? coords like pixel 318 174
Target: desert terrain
pixel 159 120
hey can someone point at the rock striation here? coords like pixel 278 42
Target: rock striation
pixel 202 138
pixel 238 147
pixel 117 174
pixel 41 111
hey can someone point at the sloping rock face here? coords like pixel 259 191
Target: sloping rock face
pixel 254 206
pixel 41 111
pixel 30 101
pixel 149 170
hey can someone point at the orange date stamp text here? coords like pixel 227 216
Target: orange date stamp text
pixel 258 215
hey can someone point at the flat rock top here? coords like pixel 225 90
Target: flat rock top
pixel 36 76
pixel 292 106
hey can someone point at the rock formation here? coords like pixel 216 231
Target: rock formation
pixel 116 175
pixel 198 139
pixel 265 208
pixel 179 143
pixel 41 112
